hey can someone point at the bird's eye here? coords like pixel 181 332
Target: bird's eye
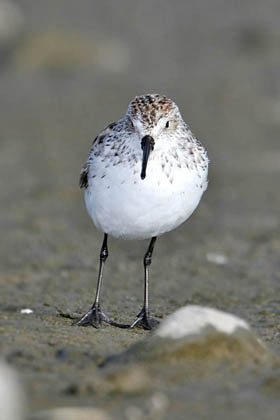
pixel 167 124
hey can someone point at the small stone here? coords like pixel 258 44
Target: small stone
pixel 12 399
pixel 26 311
pixel 218 259
pixel 62 354
pixel 158 405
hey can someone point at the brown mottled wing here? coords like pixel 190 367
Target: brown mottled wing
pixel 83 181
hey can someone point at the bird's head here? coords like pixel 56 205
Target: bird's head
pixel 153 118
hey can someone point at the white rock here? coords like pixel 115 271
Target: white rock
pixel 12 401
pixel 26 311
pixel 193 319
pixel 218 259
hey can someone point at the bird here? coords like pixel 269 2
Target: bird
pixel 145 175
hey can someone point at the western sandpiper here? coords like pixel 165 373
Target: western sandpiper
pixel 145 176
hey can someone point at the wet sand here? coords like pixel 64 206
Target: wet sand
pixel 222 69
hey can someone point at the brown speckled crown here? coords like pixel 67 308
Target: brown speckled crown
pixel 147 107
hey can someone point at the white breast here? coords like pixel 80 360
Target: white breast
pixel 124 206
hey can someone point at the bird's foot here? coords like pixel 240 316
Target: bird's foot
pixel 94 317
pixel 143 320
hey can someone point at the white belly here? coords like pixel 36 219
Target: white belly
pixel 124 206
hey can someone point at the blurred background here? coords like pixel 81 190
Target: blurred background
pixel 69 68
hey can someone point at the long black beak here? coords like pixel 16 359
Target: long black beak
pixel 147 145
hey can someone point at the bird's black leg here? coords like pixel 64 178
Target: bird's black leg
pixel 95 316
pixel 143 318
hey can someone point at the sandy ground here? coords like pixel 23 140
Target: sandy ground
pixel 71 72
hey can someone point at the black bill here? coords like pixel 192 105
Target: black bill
pixel 147 145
